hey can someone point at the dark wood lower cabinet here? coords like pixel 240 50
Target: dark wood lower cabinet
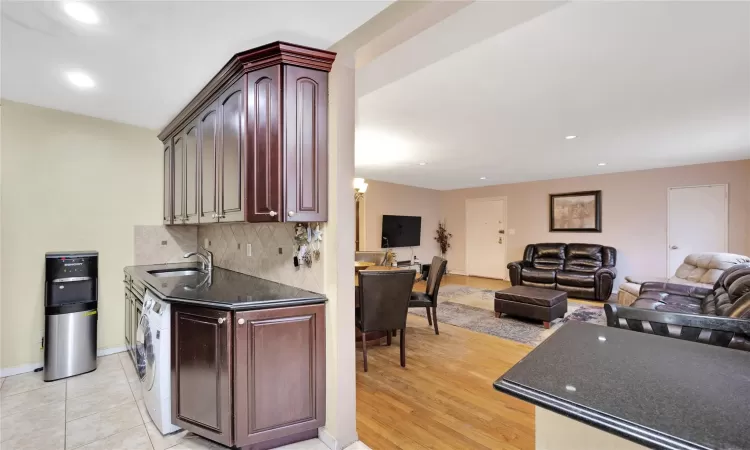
pixel 201 372
pixel 249 379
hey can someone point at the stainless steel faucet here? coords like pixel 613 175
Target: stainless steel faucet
pixel 207 262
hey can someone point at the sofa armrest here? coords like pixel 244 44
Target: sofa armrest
pixel 514 271
pixel 604 282
pixel 713 330
pixel 685 290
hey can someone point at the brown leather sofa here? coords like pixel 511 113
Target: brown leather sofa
pixel 718 316
pixel 582 270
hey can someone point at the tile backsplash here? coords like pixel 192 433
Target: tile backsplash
pixel 157 244
pixel 228 242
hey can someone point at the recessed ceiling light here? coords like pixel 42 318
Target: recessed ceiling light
pixel 602 164
pixel 482 178
pixel 423 164
pixel 572 136
pixel 80 79
pixel 81 12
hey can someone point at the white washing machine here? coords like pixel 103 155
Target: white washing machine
pixel 153 361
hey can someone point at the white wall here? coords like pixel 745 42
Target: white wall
pixel 70 182
pixel 634 213
pixel 400 200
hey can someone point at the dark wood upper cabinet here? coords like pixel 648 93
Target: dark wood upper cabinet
pixel 178 179
pixel 191 173
pixel 306 130
pixel 280 373
pixel 201 371
pixel 167 219
pixel 263 120
pixel 264 145
pixel 208 146
pixel 231 153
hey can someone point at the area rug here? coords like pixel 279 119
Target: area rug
pixel 473 309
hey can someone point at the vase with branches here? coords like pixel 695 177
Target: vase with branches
pixel 443 238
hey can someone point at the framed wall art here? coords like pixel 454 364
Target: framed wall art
pixel 576 211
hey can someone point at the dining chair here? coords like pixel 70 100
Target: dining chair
pixel 383 303
pixel 428 298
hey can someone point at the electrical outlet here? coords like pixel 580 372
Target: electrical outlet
pixel 249 249
pixel 206 243
pixel 163 243
pixel 512 231
pixel 281 251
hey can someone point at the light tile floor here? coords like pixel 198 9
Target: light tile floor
pixel 101 410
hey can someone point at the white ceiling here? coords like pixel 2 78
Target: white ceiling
pixel 642 85
pixel 150 58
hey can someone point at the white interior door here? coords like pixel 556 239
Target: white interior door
pixel 697 222
pixel 486 238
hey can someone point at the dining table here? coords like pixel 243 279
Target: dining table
pixel 373 337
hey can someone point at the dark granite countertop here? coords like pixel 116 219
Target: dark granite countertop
pixel 657 391
pixel 225 290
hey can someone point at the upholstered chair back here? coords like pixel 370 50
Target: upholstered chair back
pixel 731 295
pixel 706 268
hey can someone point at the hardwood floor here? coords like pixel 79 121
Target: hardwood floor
pixel 444 398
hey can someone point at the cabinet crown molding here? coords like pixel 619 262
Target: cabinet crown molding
pixel 257 58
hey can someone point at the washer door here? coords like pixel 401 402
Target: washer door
pixel 144 351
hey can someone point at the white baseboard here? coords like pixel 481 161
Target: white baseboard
pixel 17 370
pixel 331 442
pixel 456 272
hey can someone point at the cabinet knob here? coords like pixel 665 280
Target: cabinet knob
pixel 241 321
pixel 272 213
pixel 222 320
pixel 290 213
pixel 213 216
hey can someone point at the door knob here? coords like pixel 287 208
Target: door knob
pixel 272 213
pixel 291 213
pixel 222 320
pixel 241 321
pixel 674 247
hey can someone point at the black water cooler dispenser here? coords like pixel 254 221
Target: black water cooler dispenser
pixel 70 310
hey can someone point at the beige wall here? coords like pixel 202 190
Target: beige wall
pixel 70 182
pixel 397 199
pixel 634 213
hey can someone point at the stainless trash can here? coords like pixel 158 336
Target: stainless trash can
pixel 70 308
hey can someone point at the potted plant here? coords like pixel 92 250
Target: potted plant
pixel 443 238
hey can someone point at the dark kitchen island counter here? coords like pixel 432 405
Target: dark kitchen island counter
pixel 655 391
pixel 224 290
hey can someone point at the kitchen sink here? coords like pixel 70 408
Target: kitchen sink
pixel 174 272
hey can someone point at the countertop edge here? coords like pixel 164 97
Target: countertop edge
pixel 229 307
pixel 624 429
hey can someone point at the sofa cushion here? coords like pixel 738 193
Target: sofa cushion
pixel 577 279
pixel 583 258
pixel 538 275
pixel 683 305
pixel 549 256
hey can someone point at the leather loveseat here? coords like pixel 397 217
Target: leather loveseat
pixel 718 316
pixel 581 270
pixel 698 269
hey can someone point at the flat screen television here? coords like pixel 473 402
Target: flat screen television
pixel 401 231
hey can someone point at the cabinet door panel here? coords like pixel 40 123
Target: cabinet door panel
pixel 128 318
pixel 167 219
pixel 191 173
pixel 280 370
pixel 201 372
pixel 306 117
pixel 264 145
pixel 232 149
pixel 208 147
pixel 178 179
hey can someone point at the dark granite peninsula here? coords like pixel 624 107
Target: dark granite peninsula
pixel 654 391
pixel 247 355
